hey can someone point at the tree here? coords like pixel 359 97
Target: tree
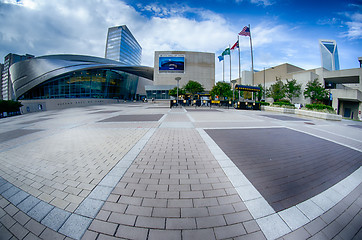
pixel 259 95
pixel 222 90
pixel 173 92
pixel 9 106
pixel 315 91
pixel 277 90
pixel 292 89
pixel 193 87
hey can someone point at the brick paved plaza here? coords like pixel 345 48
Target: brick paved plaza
pixel 145 171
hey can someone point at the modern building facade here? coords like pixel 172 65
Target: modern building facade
pixel 122 46
pixel 329 54
pixel 345 86
pixel 7 92
pixel 168 65
pixel 1 82
pixel 57 80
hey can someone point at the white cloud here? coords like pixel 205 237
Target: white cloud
pixel 43 27
pixel 354 26
pixel 259 2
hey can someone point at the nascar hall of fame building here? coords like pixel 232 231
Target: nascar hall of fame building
pixel 60 81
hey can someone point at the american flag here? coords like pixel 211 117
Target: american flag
pixel 245 31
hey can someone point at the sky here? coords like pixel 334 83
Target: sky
pixel 283 31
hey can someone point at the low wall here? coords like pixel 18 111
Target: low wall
pixel 52 104
pixel 306 113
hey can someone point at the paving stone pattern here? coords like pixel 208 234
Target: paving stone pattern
pixel 284 173
pixel 61 178
pixel 73 162
pixel 175 189
pixel 133 118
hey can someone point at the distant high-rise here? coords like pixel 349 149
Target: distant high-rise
pixel 329 54
pixel 122 46
pixel 6 85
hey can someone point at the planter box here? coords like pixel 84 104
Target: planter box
pixel 306 113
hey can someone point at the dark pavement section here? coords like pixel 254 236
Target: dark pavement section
pixel 6 136
pixel 284 118
pixel 134 118
pixel 35 121
pixel 287 167
pixel 103 112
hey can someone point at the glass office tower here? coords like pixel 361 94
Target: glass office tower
pixel 122 46
pixel 329 54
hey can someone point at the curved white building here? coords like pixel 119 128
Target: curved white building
pixel 58 80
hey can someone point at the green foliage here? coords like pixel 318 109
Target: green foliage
pixel 264 103
pixel 193 87
pixel 173 92
pixel 292 89
pixel 222 90
pixel 317 106
pixel 277 90
pixel 259 95
pixel 9 106
pixel 315 91
pixel 283 103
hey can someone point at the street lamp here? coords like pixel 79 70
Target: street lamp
pixel 178 80
pixel 264 86
pixel 234 83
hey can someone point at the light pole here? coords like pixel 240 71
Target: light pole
pixel 178 80
pixel 234 83
pixel 264 86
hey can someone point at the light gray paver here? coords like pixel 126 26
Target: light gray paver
pixel 89 207
pixel 198 234
pixel 156 234
pixel 18 197
pixel 10 192
pixel 5 187
pixel 55 218
pixel 310 209
pixel 40 210
pixel 294 217
pixel 28 203
pixel 100 193
pixel 273 226
pixel 75 226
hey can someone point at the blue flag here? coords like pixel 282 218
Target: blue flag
pixel 221 58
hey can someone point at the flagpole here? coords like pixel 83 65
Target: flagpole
pixel 239 58
pixel 252 62
pixel 230 63
pixel 223 72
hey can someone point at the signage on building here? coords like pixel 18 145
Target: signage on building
pixel 171 63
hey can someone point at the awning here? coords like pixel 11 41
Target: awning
pixel 247 88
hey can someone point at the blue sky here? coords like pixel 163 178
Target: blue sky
pixel 283 31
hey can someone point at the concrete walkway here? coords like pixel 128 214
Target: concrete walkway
pixel 144 171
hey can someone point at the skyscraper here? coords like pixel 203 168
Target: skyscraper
pixel 122 46
pixel 329 54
